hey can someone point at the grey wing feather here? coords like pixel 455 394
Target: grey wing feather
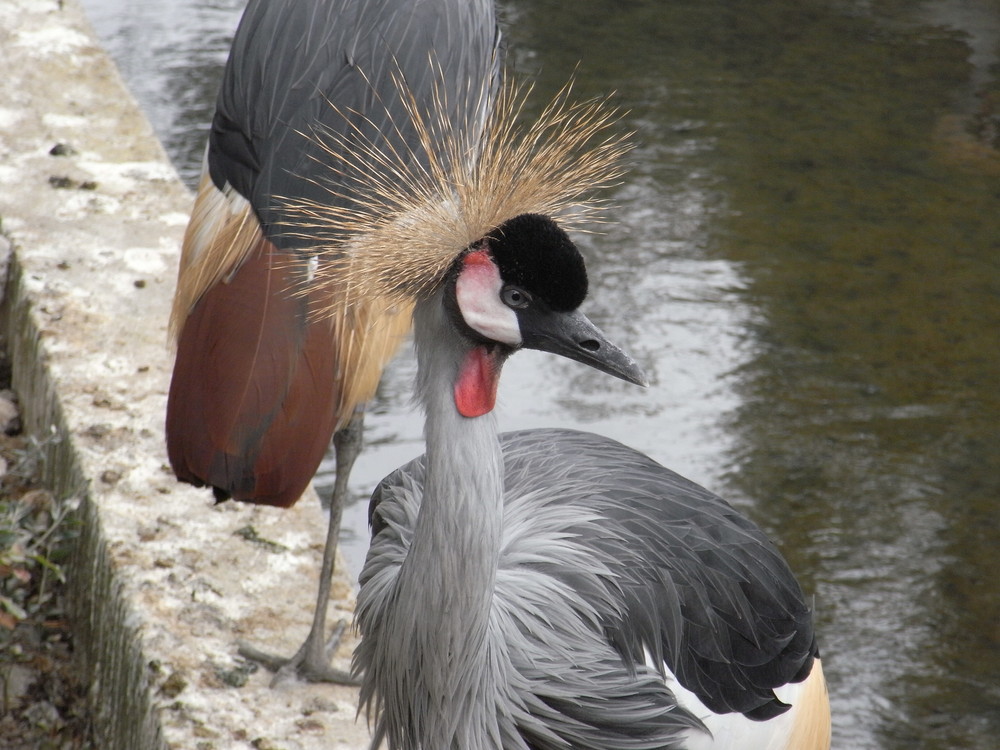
pixel 300 67
pixel 701 586
pixel 611 554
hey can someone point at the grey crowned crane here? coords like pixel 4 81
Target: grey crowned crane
pixel 545 589
pixel 260 383
pixel 550 588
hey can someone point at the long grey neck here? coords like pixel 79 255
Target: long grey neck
pixel 447 580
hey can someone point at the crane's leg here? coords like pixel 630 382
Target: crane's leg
pixel 312 660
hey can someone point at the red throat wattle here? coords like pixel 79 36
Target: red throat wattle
pixel 476 387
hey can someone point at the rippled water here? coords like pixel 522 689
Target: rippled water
pixel 805 259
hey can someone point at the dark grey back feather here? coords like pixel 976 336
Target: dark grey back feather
pixel 607 556
pixel 299 68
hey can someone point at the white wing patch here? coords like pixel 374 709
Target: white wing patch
pixel 734 731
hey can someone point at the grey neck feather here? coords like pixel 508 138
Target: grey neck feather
pixel 446 584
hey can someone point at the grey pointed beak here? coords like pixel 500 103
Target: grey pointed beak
pixel 572 335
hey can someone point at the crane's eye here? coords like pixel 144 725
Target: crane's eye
pixel 515 297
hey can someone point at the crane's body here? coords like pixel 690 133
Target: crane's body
pixel 261 382
pixel 617 605
pixel 551 588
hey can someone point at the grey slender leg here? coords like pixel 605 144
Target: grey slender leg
pixel 312 660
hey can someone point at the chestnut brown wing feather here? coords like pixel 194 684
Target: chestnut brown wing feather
pixel 253 399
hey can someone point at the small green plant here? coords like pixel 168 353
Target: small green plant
pixel 36 532
pixel 34 535
pixel 43 697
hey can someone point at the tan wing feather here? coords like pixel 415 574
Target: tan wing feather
pixel 220 235
pixel 811 730
pixel 367 336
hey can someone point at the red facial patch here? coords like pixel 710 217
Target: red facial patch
pixel 476 387
pixel 477 258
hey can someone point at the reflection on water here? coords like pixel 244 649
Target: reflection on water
pixel 171 56
pixel 805 259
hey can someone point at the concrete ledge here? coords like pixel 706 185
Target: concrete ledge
pixel 162 584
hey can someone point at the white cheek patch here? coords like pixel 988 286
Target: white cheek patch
pixel 478 293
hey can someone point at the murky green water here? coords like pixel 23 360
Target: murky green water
pixel 807 260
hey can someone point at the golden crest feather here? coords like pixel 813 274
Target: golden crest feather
pixel 421 209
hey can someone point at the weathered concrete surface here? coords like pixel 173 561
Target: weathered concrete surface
pixel 163 586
